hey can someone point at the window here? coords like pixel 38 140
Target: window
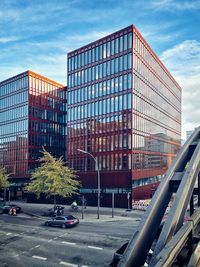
pixel 112 47
pixel 129 40
pixel 116 46
pixel 121 44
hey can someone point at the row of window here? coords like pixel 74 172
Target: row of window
pixel 152 112
pixel 14 127
pixel 112 141
pixel 47 102
pixel 15 99
pixel 113 104
pixel 12 86
pixel 21 139
pixel 97 90
pixel 121 121
pixel 100 71
pixel 47 140
pixel 116 161
pixel 154 63
pixel 46 127
pixel 154 96
pixel 100 52
pixel 45 114
pixel 156 84
pixel 150 180
pixel 13 114
pixel 44 87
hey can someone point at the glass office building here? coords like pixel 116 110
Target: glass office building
pixel 32 116
pixel 124 108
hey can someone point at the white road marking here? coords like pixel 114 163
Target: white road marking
pixel 60 235
pixel 39 258
pixel 55 238
pixel 37 246
pixel 31 248
pixel 9 234
pixel 68 264
pixel 85 266
pixel 50 240
pixel 22 233
pixel 95 247
pixel 68 243
pixel 16 235
pixel 17 255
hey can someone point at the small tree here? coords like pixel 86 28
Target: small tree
pixel 4 183
pixel 53 178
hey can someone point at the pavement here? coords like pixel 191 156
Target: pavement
pixel 89 213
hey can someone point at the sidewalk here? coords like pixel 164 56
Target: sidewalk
pixel 90 213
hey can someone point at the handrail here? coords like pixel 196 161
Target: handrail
pixel 141 242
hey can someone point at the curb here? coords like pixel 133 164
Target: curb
pixel 34 215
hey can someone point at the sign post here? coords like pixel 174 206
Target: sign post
pixel 128 199
pixel 83 204
pixel 113 203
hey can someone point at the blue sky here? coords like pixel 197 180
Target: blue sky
pixel 37 35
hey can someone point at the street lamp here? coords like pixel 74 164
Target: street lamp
pixel 98 181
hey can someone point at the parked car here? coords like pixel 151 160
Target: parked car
pixel 63 221
pixel 5 209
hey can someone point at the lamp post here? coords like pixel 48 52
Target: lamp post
pixel 98 180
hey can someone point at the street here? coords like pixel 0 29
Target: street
pixel 25 241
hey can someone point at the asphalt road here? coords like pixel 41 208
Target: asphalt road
pixel 26 242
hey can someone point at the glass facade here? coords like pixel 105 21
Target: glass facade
pixel 32 116
pixel 14 125
pixel 123 107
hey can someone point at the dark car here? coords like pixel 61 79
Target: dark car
pixel 63 221
pixel 5 209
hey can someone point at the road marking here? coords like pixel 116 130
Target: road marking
pixel 68 264
pixel 85 266
pixel 16 235
pixel 55 238
pixel 31 248
pixel 22 233
pixel 68 243
pixel 17 255
pixel 50 240
pixel 37 246
pixel 60 235
pixel 95 247
pixel 39 258
pixel 9 234
pixel 23 252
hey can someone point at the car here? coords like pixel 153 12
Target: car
pixel 5 209
pixel 62 221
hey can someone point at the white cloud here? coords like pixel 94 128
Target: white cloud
pixel 183 62
pixel 8 39
pixel 174 5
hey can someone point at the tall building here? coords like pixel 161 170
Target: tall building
pixel 32 116
pixel 124 108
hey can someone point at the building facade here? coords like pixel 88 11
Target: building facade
pixel 124 108
pixel 32 116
